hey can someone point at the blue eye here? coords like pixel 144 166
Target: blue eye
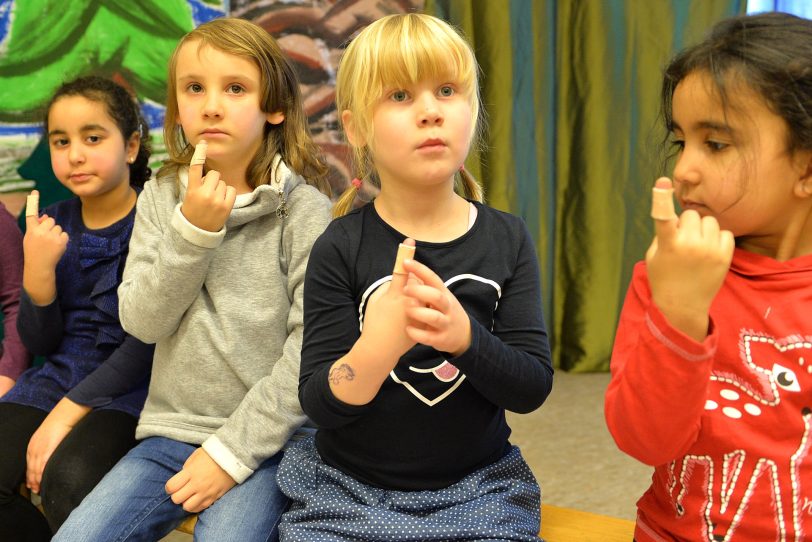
pixel 399 96
pixel 446 91
pixel 195 87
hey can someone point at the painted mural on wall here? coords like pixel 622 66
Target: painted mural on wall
pixel 45 42
pixel 314 33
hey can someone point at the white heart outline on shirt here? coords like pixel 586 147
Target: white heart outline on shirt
pixel 378 283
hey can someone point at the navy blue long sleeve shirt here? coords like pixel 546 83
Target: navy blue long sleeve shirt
pixel 435 418
pixel 88 356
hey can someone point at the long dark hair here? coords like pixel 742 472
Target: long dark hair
pixel 122 108
pixel 771 53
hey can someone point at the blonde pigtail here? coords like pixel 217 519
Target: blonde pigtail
pixel 345 203
pixel 471 189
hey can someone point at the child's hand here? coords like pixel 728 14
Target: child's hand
pixel 208 200
pixel 200 482
pixel 40 448
pixel 686 263
pixel 356 377
pixel 43 246
pixel 445 324
pixel 44 242
pixel 6 384
pixel 51 432
pixel 385 319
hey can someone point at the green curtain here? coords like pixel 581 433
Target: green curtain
pixel 571 90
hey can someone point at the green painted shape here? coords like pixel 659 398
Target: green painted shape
pixel 48 46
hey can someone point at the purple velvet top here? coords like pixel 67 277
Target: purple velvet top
pixel 14 358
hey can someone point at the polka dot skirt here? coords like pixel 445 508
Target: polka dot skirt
pixel 498 502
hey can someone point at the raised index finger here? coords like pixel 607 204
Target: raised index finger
pixel 662 207
pixel 32 209
pixel 399 274
pixel 196 164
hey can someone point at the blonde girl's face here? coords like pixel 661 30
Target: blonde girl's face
pixel 89 155
pixel 218 98
pixel 733 163
pixel 421 133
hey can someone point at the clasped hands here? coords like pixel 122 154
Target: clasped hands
pixel 415 307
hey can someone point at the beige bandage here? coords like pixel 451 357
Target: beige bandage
pixel 404 251
pixel 199 157
pixel 662 204
pixel 32 205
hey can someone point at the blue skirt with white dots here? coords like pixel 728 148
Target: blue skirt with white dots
pixel 498 502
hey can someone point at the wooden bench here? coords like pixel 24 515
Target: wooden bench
pixel 557 525
pixel 188 525
pixel 569 525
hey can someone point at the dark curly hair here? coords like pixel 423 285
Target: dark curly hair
pixel 122 108
pixel 771 53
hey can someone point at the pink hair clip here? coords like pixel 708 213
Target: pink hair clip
pixel 356 182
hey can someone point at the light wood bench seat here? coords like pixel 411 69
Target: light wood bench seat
pixel 570 525
pixel 557 525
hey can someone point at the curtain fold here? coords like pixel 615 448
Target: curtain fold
pixel 571 90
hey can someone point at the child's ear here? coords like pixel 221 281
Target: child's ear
pixel 803 187
pixel 275 118
pixel 133 144
pixel 353 136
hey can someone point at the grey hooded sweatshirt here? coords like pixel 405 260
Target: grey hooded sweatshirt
pixel 225 312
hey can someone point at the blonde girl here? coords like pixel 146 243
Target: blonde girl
pixel 215 279
pixel 408 373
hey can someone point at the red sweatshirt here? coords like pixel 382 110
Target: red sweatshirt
pixel 725 422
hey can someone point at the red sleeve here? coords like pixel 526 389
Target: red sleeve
pixel 656 396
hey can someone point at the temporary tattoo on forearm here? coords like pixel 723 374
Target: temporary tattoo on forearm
pixel 342 372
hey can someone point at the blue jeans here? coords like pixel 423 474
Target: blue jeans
pixel 130 503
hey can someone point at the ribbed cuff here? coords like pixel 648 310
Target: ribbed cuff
pixel 227 461
pixel 195 235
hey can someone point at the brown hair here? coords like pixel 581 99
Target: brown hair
pixel 291 139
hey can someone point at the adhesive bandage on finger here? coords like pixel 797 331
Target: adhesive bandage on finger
pixel 32 205
pixel 404 252
pixel 662 203
pixel 199 157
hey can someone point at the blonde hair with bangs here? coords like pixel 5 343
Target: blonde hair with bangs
pixel 279 92
pixel 398 51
